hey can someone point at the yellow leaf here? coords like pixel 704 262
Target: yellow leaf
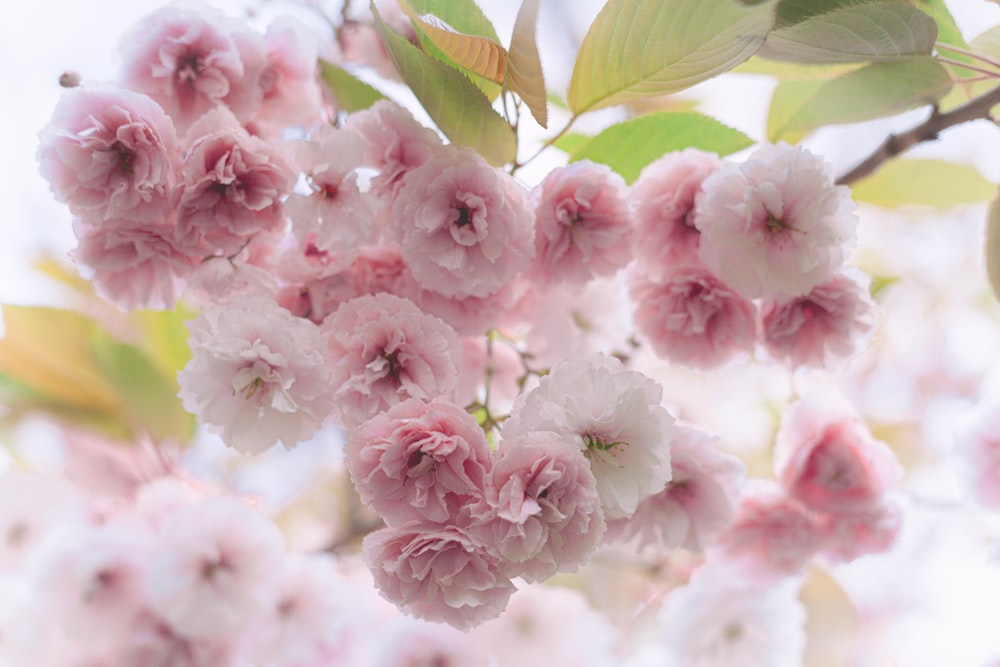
pixel 524 68
pixel 477 54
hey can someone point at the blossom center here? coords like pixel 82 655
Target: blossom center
pixel 596 449
pixel 188 68
pixel 124 156
pixel 16 533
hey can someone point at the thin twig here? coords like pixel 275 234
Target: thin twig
pixel 896 144
pixel 969 54
pixel 557 137
pixel 972 68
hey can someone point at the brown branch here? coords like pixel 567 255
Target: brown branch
pixel 896 144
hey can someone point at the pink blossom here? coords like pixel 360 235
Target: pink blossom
pixel 189 62
pixel 32 505
pixel 395 144
pixel 437 573
pixel 662 201
pixel 544 515
pixel 467 315
pixel 464 227
pixel 826 458
pixel 384 350
pixel 698 503
pixel 978 450
pixel 825 324
pixel 290 93
pixel 135 265
pixel 851 535
pixel 232 189
pixel 257 373
pixel 419 461
pixel 498 358
pixel 692 318
pixel 773 534
pixel 109 153
pixel 582 224
pixel 615 416
pixel 215 568
pixel 776 225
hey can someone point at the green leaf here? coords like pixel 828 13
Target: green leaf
pixel 572 142
pixel 876 31
pixel 880 89
pixel 992 245
pixel 480 55
pixel 148 397
pixel 352 94
pixel 786 71
pixel 923 182
pixel 459 108
pixel 644 48
pixel 789 99
pixel 629 146
pixel 524 67
pixel 790 12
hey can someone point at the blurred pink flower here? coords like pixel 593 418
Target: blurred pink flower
pixel 851 535
pixel 978 450
pixel 110 153
pixel 437 573
pixel 662 202
pixel 615 417
pixel 419 461
pixel 384 350
pixel 257 374
pixel 691 317
pixel 776 225
pixel 543 514
pixel 582 224
pixel 825 324
pixel 289 86
pixel 464 227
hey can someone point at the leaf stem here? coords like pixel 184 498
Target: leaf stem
pixel 937 122
pixel 968 54
pixel 973 68
pixel 547 144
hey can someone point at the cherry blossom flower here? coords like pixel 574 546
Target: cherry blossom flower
pixel 978 450
pixel 437 573
pixel 851 535
pixel 776 225
pixel 582 224
pixel 215 569
pixel 698 503
pixel 232 186
pixel 384 350
pixel 823 325
pixel 826 458
pixel 109 153
pixel 662 201
pixel 188 61
pixel 257 373
pixel 419 461
pixel 31 505
pixel 614 415
pixel 411 642
pixel 464 227
pixel 543 514
pixel 773 535
pixel 134 265
pixel 290 93
pixel 722 618
pixel 692 318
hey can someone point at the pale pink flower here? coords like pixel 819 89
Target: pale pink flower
pixel 134 265
pixel 851 535
pixel 773 534
pixel 723 618
pixel 384 350
pixel 582 224
pixel 419 461
pixel 437 573
pixel 109 153
pixel 662 201
pixel 823 325
pixel 692 318
pixel 257 373
pixel 220 278
pixel 395 144
pixel 615 417
pixel 776 225
pixel 189 62
pixel 464 227
pixel 698 503
pixel 290 93
pixel 31 505
pixel 826 458
pixel 232 186
pixel 467 315
pixel 978 452
pixel 500 361
pixel 214 568
pixel 543 514
pixel 336 211
pixel 411 642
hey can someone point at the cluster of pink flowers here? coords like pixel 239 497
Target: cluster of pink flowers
pixel 731 255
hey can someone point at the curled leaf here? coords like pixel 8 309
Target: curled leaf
pixel 524 67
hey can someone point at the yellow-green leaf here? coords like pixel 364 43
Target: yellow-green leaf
pixel 459 108
pixel 787 101
pixel 992 245
pixel 479 55
pixel 524 67
pixel 873 31
pixel 923 182
pixel 878 90
pixel 572 142
pixel 352 94
pixel 629 146
pixel 643 48
pixel 164 335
